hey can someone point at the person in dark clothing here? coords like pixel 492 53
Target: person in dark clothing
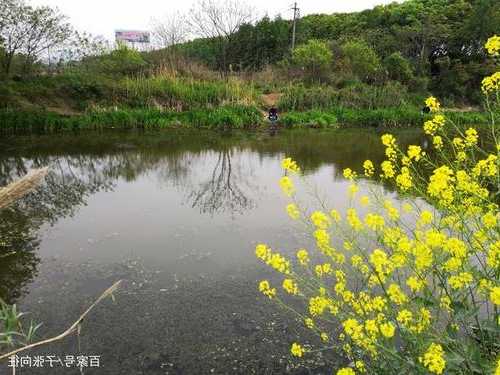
pixel 273 114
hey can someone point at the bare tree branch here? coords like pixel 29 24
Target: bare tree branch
pixel 170 30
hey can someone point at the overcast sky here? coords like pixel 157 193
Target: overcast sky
pixel 102 17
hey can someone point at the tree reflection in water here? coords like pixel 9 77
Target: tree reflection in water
pixel 222 192
pixel 62 193
pixel 81 165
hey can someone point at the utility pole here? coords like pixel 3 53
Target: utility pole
pixel 295 17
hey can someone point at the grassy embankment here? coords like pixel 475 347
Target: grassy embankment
pixel 79 101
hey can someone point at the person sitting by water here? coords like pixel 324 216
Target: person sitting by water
pixel 273 114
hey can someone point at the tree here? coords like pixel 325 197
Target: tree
pixel 361 60
pixel 398 68
pixel 255 46
pixel 168 33
pixel 30 31
pixel 170 30
pixel 220 19
pixel 313 57
pixel 123 61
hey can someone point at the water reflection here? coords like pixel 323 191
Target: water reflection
pixel 214 174
pixel 226 190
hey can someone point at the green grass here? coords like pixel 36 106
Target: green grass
pixel 397 117
pixel 223 117
pixel 83 91
pixel 355 95
pixel 313 119
pixel 163 100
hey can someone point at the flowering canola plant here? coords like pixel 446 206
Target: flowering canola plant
pixel 409 290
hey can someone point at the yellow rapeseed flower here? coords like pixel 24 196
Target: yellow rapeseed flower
pixel 493 259
pixel 349 174
pixel 460 281
pixel 437 141
pixel 388 140
pixel 290 165
pixel 320 220
pixel 303 257
pixel 426 218
pixel 309 323
pixel 293 211
pixel 369 168
pixel 433 359
pixel 414 284
pixel 495 295
pixel 364 200
pixel 491 84
pixel 353 219
pixel 262 251
pixel 433 104
pixel 396 295
pixel 471 137
pixel 407 208
pixel 360 365
pixel 405 317
pixel 297 350
pixel 445 303
pixel 335 215
pixel 489 220
pixel 265 288
pixel 387 329
pixel 388 170
pixel 353 189
pixel 415 152
pixel 346 371
pixel 431 127
pixel 290 286
pixel 404 179
pixel 493 45
pixel 497 370
pixel 286 185
pixel 374 221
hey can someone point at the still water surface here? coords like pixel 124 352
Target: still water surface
pixel 176 215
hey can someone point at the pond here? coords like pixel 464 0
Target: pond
pixel 176 215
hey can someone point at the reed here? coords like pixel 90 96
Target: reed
pixel 18 189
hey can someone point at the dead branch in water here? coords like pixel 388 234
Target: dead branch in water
pixel 74 327
pixel 18 189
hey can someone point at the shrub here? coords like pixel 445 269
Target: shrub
pixel 314 58
pixel 122 61
pixel 361 60
pixel 314 119
pixel 398 68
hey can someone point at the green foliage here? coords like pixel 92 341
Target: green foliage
pixel 314 58
pixel 398 68
pixel 361 60
pixel 13 330
pixel 81 91
pixel 421 31
pixel 358 95
pixel 313 119
pixel 182 94
pixel 390 117
pixel 255 46
pixel 222 117
pixel 122 61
